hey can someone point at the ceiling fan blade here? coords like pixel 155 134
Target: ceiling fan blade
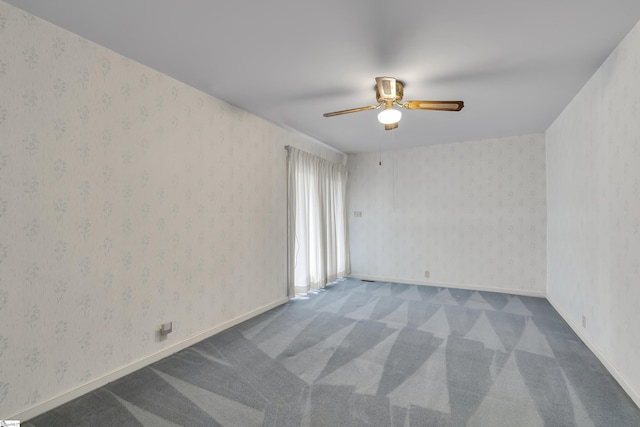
pixel 434 105
pixel 353 110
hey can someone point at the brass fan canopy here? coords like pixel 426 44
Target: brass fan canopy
pixel 399 92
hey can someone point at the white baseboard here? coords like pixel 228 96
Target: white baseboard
pixel 61 399
pixel 633 394
pixel 471 287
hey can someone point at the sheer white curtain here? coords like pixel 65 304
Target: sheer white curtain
pixel 318 241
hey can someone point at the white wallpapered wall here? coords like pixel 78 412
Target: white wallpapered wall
pixel 127 199
pixel 594 210
pixel 472 213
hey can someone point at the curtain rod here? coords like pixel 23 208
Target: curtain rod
pixel 288 147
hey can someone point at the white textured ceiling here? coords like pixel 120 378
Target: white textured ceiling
pixel 515 63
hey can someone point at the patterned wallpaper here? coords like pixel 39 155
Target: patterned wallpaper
pixel 127 199
pixel 594 211
pixel 471 213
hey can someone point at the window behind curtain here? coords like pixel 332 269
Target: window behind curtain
pixel 318 243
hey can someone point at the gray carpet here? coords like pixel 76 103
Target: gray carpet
pixel 372 354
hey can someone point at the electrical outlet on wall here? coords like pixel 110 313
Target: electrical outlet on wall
pixel 357 214
pixel 584 321
pixel 165 329
pixel 426 274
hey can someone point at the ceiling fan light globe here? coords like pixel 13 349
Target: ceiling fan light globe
pixel 389 116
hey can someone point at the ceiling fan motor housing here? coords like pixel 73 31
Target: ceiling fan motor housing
pixel 389 89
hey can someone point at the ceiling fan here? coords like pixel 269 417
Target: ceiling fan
pixel 389 92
